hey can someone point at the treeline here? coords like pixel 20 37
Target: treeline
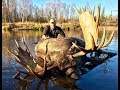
pixel 26 11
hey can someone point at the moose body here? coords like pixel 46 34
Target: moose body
pixel 57 48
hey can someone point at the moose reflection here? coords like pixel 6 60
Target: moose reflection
pixel 61 82
pixel 67 57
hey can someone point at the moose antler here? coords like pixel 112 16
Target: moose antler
pixel 90 30
pixel 25 58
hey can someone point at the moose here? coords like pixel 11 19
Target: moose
pixel 64 53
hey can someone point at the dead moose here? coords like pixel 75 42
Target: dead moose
pixel 63 53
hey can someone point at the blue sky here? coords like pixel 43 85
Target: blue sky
pixel 108 4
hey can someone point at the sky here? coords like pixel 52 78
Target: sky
pixel 108 4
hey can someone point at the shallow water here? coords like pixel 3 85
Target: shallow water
pixel 95 79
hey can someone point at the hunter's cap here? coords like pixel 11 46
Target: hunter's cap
pixel 52 20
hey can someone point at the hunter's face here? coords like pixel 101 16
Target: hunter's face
pixel 52 23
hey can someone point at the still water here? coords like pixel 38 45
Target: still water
pixel 95 79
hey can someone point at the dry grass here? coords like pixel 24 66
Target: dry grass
pixel 108 27
pixel 34 25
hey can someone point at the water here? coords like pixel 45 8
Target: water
pixel 102 77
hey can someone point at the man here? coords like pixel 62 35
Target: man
pixel 52 31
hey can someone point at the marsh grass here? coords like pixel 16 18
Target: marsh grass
pixel 40 26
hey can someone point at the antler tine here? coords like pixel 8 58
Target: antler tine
pixel 84 51
pixel 18 60
pixel 93 42
pixel 25 66
pixel 35 73
pixel 30 69
pixel 109 41
pixel 81 53
pixel 72 47
pixel 18 46
pixel 21 71
pixel 77 11
pixel 93 11
pixel 14 54
pixel 17 43
pixel 16 75
pixel 83 10
pixel 79 47
pixel 98 16
pixel 27 49
pixel 102 40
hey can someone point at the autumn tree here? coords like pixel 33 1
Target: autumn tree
pixel 3 11
pixel 23 9
pixel 110 16
pixel 102 16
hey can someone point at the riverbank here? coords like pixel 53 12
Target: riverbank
pixel 40 26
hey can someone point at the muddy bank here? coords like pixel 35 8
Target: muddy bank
pixel 41 26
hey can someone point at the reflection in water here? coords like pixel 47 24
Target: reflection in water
pixel 61 82
pixel 105 68
pixel 31 37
